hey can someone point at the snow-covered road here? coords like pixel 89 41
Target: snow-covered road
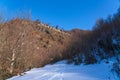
pixel 63 71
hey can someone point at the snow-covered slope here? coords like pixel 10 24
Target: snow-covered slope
pixel 63 71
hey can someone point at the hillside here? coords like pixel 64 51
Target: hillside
pixel 30 44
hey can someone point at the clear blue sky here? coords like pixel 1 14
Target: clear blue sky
pixel 68 14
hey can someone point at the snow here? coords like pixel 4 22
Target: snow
pixel 63 71
pixel 114 41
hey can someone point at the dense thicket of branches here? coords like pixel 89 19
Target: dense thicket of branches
pixel 103 42
pixel 100 43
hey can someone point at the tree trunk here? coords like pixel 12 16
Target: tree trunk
pixel 12 62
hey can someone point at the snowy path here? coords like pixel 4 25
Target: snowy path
pixel 62 71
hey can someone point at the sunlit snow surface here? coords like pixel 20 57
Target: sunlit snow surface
pixel 63 71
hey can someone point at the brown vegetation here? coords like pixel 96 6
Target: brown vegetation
pixel 26 44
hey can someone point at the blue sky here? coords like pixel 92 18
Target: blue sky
pixel 68 14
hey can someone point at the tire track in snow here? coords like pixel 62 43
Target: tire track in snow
pixel 42 76
pixel 57 76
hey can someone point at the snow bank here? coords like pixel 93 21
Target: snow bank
pixel 63 71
